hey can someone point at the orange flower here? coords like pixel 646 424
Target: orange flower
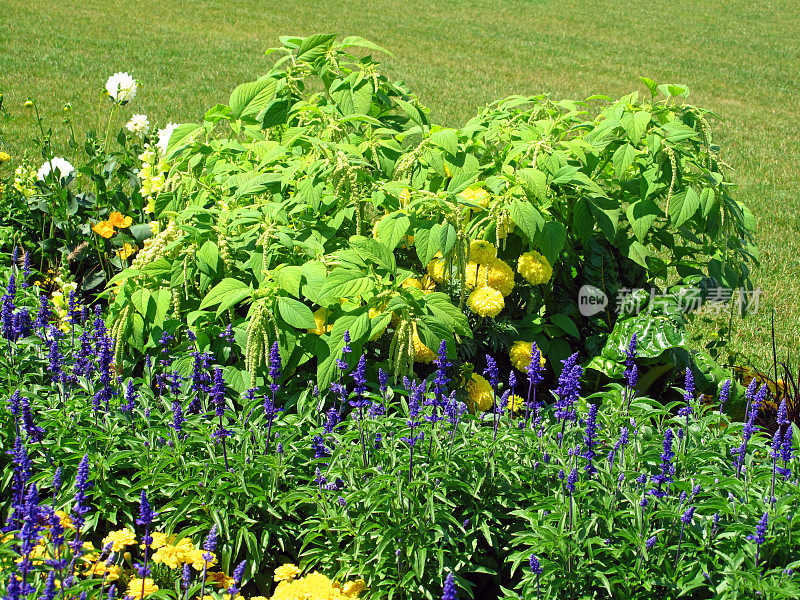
pixel 118 221
pixel 104 229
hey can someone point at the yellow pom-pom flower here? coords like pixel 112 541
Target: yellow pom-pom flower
pixel 534 268
pixel 138 589
pixel 286 572
pixel 477 195
pixel 481 251
pixel 496 274
pixel 119 539
pixel 436 269
pixel 520 355
pixel 480 397
pixel 169 555
pixel 422 354
pixel 486 302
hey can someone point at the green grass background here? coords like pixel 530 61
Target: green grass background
pixel 740 59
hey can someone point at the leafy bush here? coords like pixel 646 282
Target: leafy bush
pixel 614 493
pixel 317 199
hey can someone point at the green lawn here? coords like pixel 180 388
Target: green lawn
pixel 741 59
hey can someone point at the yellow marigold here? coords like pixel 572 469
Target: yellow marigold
pixel 4 157
pixel 534 267
pixel 184 547
pixel 320 320
pixel 118 221
pixel 169 555
pixel 104 229
pixel 258 598
pixel 520 355
pixel 422 354
pixel 496 274
pixel 479 394
pixel 286 572
pixel 135 589
pixel 159 539
pixel 436 269
pixel 99 569
pixel 197 558
pixel 90 553
pixel 425 284
pixel 119 539
pixel 476 195
pixel 314 586
pixel 486 302
pixel 220 579
pixel 481 251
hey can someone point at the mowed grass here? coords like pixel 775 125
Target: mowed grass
pixel 740 59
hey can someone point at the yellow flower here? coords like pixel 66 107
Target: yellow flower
pixel 424 284
pixel 104 229
pixel 534 268
pixel 520 355
pixel 98 569
pixel 196 557
pixel 118 221
pixel 90 554
pixel 315 586
pixel 496 274
pixel 66 520
pixel 220 579
pixel 481 251
pixel 4 157
pixel 436 268
pixel 135 588
pixel 258 598
pixel 320 320
pixel 476 195
pixel 184 547
pixel 119 539
pixel 486 301
pixel 480 395
pixel 515 404
pixel 169 555
pixel 422 354
pixel 286 572
pixel 159 540
pixel 126 250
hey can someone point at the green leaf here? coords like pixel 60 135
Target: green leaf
pixel 375 250
pixel 181 137
pixel 565 324
pixel 288 277
pixel 447 140
pixel 623 158
pixel 447 238
pixel 252 97
pixel 535 182
pixel 427 239
pixel 582 220
pixel 392 228
pixel 708 201
pixel 638 253
pixel 683 206
pixel 228 287
pixel 641 215
pixel 295 313
pixel 254 185
pixel 651 85
pixel 527 218
pixel 551 240
pixel 315 46
pixel 346 283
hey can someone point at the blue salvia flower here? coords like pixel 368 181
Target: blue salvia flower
pixel 79 506
pixel 12 286
pixel 23 327
pixel 346 349
pixel 130 398
pixel 55 361
pixel 186 576
pixel 238 573
pixel 572 479
pixel 318 446
pixel 535 377
pixel 105 357
pixel 331 420
pixel 441 381
pixel 35 434
pixel 210 543
pixel 723 394
pixel 44 315
pixel 687 516
pixel 227 334
pixel 759 537
pixel 632 372
pixel 492 372
pixel 74 313
pixel 383 381
pixel 26 269
pixel 619 446
pixel 177 416
pixel 360 381
pixel 666 465
pixel 56 482
pixel 14 404
pixel 535 566
pixel 274 368
pixel 651 542
pixel 449 591
pixel 50 586
pixel 590 439
pixel 7 317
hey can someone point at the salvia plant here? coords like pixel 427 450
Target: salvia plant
pixel 431 487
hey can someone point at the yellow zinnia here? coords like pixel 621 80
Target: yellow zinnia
pixel 119 539
pixel 520 355
pixel 534 267
pixel 486 302
pixel 479 394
